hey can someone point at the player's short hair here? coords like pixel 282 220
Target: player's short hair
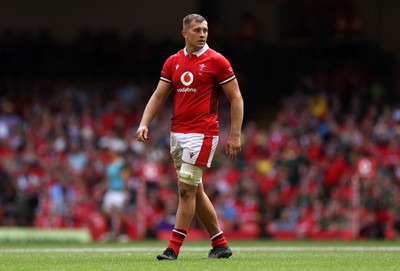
pixel 192 17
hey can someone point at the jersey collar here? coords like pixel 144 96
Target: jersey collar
pixel 199 52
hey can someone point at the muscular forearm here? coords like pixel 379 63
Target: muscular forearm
pixel 236 116
pixel 152 109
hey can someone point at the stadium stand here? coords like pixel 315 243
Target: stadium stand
pixel 64 105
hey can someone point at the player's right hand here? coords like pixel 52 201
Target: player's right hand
pixel 142 134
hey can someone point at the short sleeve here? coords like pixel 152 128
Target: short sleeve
pixel 224 70
pixel 166 74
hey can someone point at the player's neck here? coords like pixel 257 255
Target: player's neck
pixel 191 50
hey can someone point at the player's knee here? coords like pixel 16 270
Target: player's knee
pixel 187 194
pixel 190 174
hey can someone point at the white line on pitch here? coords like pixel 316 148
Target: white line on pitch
pixel 136 249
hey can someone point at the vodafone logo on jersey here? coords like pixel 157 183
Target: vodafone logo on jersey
pixel 187 78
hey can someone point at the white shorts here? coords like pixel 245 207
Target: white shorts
pixel 114 200
pixel 193 148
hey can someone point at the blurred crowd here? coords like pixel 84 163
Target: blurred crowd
pixel 67 109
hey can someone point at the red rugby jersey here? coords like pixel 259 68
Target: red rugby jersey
pixel 196 86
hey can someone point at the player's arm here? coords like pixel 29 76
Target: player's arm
pixel 152 109
pixel 232 92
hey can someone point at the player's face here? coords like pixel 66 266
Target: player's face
pixel 195 35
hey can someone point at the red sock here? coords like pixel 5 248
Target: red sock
pixel 218 240
pixel 178 235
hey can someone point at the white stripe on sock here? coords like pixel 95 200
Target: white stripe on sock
pixel 181 233
pixel 216 235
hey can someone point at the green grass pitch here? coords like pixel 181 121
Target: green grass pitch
pixel 257 255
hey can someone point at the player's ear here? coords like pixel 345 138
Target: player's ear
pixel 184 33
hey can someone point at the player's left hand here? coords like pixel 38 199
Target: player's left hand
pixel 233 147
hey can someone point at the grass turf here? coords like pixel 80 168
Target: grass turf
pixel 260 255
